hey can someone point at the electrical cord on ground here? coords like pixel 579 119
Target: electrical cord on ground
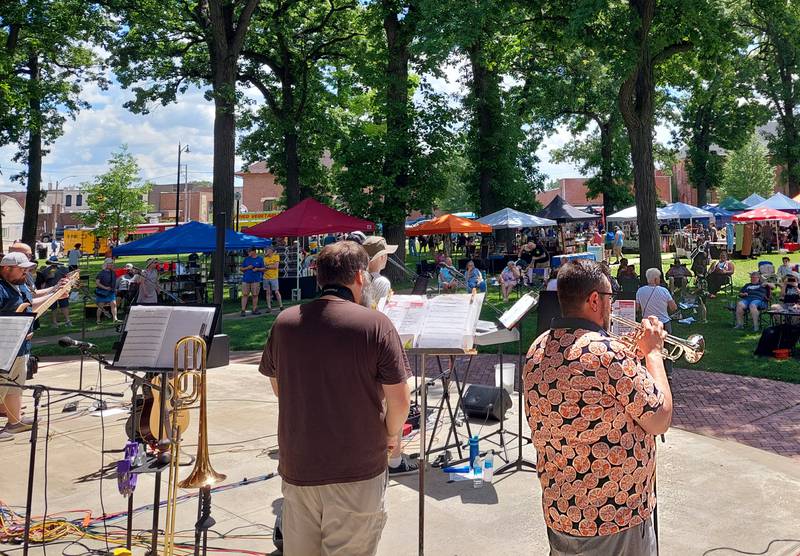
pixel 765 551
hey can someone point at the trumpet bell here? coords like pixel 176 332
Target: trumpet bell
pixel 698 348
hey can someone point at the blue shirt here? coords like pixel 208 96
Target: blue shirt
pixel 12 297
pixel 473 278
pixel 251 275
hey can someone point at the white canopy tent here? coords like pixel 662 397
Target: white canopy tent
pixel 630 214
pixel 509 218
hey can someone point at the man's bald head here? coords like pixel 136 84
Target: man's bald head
pixel 19 247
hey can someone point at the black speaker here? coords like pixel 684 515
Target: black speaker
pixel 486 402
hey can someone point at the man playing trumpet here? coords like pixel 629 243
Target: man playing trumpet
pixel 595 408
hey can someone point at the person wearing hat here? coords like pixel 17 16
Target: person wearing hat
pixel 755 297
pixel 378 251
pixel 14 269
pixel 147 281
pixel 105 290
pixel 126 288
pixel 48 277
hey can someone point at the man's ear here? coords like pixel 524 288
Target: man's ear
pixel 359 278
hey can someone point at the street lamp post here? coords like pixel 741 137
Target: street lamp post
pixel 238 196
pixel 181 149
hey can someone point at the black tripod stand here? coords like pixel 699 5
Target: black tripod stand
pixel 520 462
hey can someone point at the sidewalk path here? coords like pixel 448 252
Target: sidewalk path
pixel 761 413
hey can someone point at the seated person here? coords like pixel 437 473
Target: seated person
pixel 440 258
pixel 447 280
pixel 474 278
pixel 552 283
pixel 789 291
pixel 626 271
pixel 785 269
pixel 755 298
pixel 678 275
pixel 720 273
pixel 509 279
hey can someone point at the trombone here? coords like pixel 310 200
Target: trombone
pixel 188 385
pixel 691 348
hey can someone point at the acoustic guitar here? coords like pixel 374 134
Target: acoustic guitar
pixel 148 417
pixel 72 280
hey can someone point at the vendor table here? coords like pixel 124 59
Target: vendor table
pixel 558 260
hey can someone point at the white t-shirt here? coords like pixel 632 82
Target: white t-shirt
pixel 74 256
pixel 380 286
pixel 654 301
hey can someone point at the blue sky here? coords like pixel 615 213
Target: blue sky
pixel 88 141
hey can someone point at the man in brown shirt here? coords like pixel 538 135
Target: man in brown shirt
pixel 332 363
pixel 594 410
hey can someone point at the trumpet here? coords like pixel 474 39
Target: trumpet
pixel 691 348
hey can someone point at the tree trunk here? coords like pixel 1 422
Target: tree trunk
pixel 792 139
pixel 293 190
pixel 487 116
pixel 398 150
pixel 33 196
pixel 607 166
pixel 636 105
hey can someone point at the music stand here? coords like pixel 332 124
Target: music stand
pixel 147 345
pixel 513 318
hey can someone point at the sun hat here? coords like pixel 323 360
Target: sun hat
pixel 376 246
pixel 17 259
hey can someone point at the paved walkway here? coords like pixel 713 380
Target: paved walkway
pixel 761 413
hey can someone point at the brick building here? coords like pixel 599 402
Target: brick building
pixel 574 192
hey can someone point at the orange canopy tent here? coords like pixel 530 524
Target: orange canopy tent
pixel 448 224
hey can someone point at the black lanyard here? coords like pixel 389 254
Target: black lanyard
pixel 338 291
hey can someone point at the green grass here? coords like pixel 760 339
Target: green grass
pixel 727 350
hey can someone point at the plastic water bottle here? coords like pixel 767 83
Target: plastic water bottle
pixel 488 467
pixel 473 449
pixel 477 473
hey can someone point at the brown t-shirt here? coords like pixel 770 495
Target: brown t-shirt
pixel 330 357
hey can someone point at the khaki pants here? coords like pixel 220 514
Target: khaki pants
pixel 342 519
pixel 17 374
pixel 636 541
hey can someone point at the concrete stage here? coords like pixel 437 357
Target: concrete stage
pixel 712 493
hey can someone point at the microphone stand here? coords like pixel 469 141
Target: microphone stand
pixel 80 392
pixel 38 390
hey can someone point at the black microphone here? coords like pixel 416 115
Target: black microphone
pixel 66 341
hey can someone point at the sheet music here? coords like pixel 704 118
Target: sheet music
pixel 407 313
pixel 511 318
pixel 445 321
pixel 153 331
pixel 450 322
pixel 12 333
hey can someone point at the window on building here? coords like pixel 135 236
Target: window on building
pixel 78 200
pixel 68 201
pixel 270 205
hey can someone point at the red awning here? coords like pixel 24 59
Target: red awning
pixel 758 215
pixel 147 230
pixel 308 218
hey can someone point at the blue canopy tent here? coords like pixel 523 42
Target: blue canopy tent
pixel 753 200
pixel 781 202
pixel 192 237
pixel 682 211
pixel 721 216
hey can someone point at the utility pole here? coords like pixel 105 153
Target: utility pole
pixel 181 149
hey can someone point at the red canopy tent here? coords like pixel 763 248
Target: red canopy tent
pixel 448 224
pixel 762 214
pixel 309 218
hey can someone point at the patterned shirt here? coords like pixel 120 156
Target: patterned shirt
pixel 595 463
